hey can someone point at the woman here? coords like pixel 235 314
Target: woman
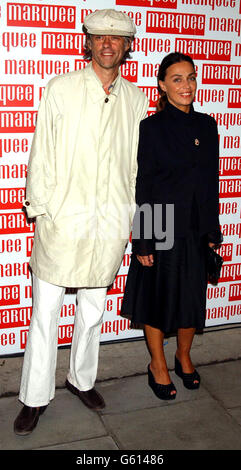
pixel 177 164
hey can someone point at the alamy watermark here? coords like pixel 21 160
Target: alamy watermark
pixel 112 221
pixel 155 223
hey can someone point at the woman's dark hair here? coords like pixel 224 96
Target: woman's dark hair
pixel 170 59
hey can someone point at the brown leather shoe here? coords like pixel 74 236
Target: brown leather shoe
pixel 91 398
pixel 27 419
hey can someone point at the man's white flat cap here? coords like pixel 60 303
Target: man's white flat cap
pixel 109 22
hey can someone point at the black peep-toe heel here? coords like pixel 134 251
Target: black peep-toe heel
pixel 163 392
pixel 188 379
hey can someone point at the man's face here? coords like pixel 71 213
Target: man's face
pixel 108 51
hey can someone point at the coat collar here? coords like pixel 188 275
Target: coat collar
pixel 95 87
pixel 177 113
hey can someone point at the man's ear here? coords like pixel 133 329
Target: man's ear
pixel 128 42
pixel 89 42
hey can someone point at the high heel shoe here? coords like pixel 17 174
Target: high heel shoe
pixel 188 379
pixel 164 392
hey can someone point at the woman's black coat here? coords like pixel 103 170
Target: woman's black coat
pixel 178 163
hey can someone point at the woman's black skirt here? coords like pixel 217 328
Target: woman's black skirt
pixel 172 293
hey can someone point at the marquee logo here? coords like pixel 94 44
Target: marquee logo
pixel 148 3
pixel 14 317
pixel 118 285
pixel 226 251
pixel 227 120
pixel 224 313
pixel 40 16
pixel 65 333
pixel 231 272
pixel 9 145
pixel 14 270
pixel 63 43
pixel 150 44
pixel 10 295
pixel 229 166
pixel 10 245
pixel 41 67
pixel 208 95
pixel 129 70
pixel 11 198
pixel 14 223
pixel 221 74
pixel 234 98
pixel 16 95
pixel 211 3
pixel 234 292
pixel 175 23
pixel 229 25
pixel 204 49
pixel 230 188
pixel 118 326
pixel 18 121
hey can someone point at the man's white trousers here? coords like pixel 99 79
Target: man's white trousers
pixel 39 367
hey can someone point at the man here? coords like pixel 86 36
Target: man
pixel 80 187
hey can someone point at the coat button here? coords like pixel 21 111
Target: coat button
pixel 27 203
pixel 106 100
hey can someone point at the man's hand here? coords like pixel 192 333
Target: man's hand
pixel 146 260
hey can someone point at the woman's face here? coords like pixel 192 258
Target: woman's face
pixel 180 85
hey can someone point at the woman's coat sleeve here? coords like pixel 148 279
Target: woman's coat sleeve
pixel 142 239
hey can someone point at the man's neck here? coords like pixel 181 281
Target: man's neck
pixel 106 76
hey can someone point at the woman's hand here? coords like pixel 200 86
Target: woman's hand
pixel 212 245
pixel 146 260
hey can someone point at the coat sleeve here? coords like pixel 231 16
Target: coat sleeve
pixel 41 177
pixel 142 237
pixel 142 114
pixel 216 236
